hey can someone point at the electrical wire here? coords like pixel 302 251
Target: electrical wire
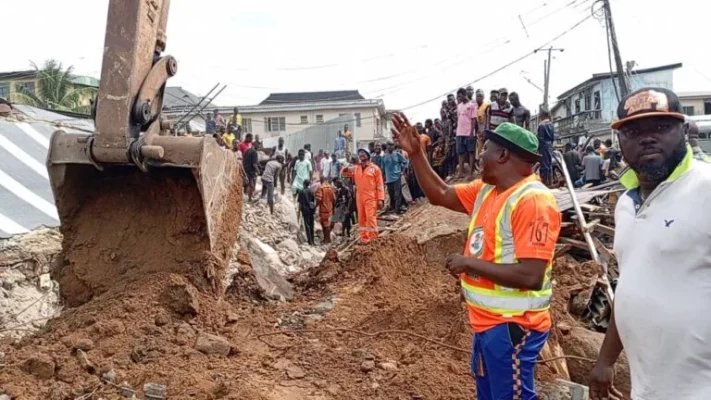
pixel 506 40
pixel 385 91
pixel 439 97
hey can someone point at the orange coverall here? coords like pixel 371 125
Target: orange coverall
pixel 369 191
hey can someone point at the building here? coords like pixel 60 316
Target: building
pixel 26 199
pixel 286 114
pixel 589 108
pixel 695 103
pixel 15 81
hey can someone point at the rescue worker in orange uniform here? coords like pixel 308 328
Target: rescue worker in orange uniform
pixel 370 195
pixel 505 268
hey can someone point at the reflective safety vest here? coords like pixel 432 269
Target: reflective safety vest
pixel 480 292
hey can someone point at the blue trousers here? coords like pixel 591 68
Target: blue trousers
pixel 504 360
pixel 546 167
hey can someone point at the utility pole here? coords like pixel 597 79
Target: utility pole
pixel 547 74
pixel 624 85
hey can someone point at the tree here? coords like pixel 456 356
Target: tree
pixel 55 90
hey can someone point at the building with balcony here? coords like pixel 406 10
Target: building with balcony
pixel 695 103
pixel 590 107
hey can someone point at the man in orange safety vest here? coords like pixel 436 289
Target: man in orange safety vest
pixel 370 195
pixel 505 268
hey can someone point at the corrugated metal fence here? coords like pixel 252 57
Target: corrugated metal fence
pixel 321 136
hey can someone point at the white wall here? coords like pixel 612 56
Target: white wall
pixel 371 122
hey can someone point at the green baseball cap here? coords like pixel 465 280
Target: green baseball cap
pixel 517 139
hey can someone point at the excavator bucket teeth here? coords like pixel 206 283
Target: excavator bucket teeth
pixel 120 223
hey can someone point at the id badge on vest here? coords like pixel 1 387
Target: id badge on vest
pixel 476 245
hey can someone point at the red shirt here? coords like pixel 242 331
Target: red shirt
pixel 244 146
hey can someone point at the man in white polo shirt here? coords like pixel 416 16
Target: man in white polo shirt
pixel 662 241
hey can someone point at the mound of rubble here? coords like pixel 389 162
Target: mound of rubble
pixel 28 296
pixel 384 322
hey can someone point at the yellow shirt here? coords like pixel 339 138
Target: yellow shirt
pixel 236 118
pixel 481 115
pixel 228 138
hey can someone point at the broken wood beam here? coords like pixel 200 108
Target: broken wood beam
pixel 575 243
pixel 604 229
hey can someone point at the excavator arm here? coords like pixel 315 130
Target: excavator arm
pixel 133 165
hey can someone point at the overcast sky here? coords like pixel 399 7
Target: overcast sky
pixel 405 53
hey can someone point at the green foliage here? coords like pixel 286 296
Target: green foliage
pixel 55 90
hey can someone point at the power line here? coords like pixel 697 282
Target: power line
pixel 381 92
pixel 523 57
pixel 529 54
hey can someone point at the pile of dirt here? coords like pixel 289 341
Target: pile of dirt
pixel 386 323
pixel 391 287
pixel 129 224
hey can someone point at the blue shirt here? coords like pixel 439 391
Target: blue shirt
pixel 546 132
pixel 393 164
pixel 340 144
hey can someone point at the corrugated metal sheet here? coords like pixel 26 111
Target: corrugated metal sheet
pixel 26 200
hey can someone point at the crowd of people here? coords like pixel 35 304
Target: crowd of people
pixel 505 267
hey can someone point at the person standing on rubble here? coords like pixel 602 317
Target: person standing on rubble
pixel 326 200
pixel 250 163
pixel 660 312
pixel 546 140
pixel 573 162
pixel 370 195
pixel 307 206
pixel 303 171
pixel 393 165
pixel 344 207
pixel 271 171
pixel 592 166
pixel 280 150
pixel 505 271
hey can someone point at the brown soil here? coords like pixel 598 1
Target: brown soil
pixel 130 223
pixel 145 328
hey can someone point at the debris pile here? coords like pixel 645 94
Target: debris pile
pixel 28 295
pixel 278 235
pixel 385 322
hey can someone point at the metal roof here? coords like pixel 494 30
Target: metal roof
pixel 26 200
pixel 178 98
pixel 312 97
pixel 608 75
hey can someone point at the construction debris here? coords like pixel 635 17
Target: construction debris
pixel 28 296
pixel 410 342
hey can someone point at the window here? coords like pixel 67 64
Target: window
pixel 357 117
pixel 577 106
pixel 707 108
pixel 340 115
pixel 304 119
pixel 274 124
pixel 587 101
pixel 25 87
pixel 596 100
pixel 319 119
pixel 247 125
pixel 5 92
pixel 688 110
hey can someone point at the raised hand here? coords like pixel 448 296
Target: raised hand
pixel 405 134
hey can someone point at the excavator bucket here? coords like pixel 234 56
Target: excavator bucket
pixel 132 198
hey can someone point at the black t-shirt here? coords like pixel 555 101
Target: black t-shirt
pixel 251 162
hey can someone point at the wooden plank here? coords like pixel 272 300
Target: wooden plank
pixel 605 229
pixel 575 243
pixel 589 207
pixel 562 249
